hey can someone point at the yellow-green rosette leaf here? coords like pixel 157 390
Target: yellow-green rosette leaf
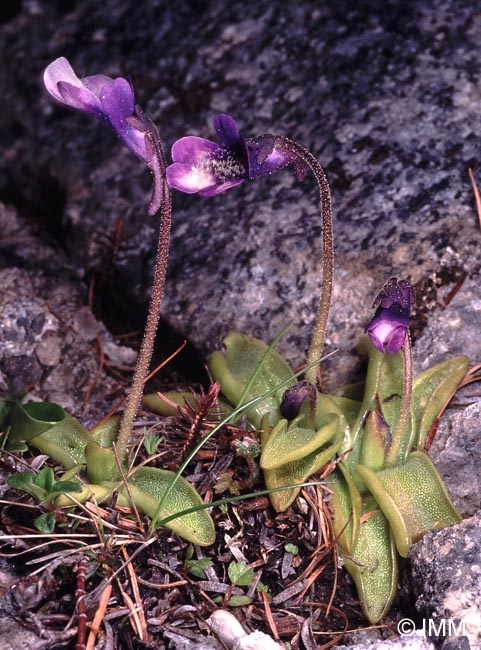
pixel 346 506
pixel 292 443
pixel 65 442
pixel 412 497
pixel 295 472
pixel 373 563
pixel 148 486
pixel 431 390
pixel 372 450
pixel 243 358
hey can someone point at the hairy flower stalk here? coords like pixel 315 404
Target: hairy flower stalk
pixel 320 326
pixel 399 439
pixel 147 347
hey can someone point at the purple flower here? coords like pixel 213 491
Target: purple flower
pixel 112 101
pixel 388 328
pixel 209 168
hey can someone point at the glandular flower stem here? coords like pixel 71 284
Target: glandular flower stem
pixel 319 334
pixel 147 347
pixel 401 437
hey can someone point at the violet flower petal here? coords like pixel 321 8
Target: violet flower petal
pixel 118 103
pixel 259 164
pixel 193 150
pixel 191 178
pixel 227 132
pixel 59 70
pixel 388 328
pixel 80 99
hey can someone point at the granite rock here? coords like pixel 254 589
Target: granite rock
pixel 444 576
pixel 385 94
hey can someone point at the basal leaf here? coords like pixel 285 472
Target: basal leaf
pixel 412 497
pixel 372 563
pixel 65 442
pixel 29 420
pixel 431 390
pixel 296 472
pixel 148 486
pixel 292 443
pixel 243 358
pixel 346 506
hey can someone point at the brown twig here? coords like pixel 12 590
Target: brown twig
pixel 140 617
pixel 80 598
pixel 99 614
pixel 477 197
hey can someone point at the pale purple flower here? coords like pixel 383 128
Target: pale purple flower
pixel 387 330
pixel 205 167
pixel 112 101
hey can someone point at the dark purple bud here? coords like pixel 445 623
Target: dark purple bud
pixel 387 330
pixel 294 398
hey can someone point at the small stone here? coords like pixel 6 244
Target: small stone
pixel 48 351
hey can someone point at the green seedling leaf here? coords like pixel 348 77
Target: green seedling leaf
pixel 42 486
pixel 432 389
pixel 197 567
pixel 29 420
pixel 239 601
pixel 148 485
pixel 246 357
pixel 291 548
pixel 240 574
pixel 45 479
pixel 45 523
pixel 412 497
pixel 289 443
pixel 152 442
pixel 372 563
pixel 25 481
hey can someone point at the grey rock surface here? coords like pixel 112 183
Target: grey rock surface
pixel 386 94
pixel 51 345
pixel 445 578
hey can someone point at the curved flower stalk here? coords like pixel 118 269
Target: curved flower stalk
pixel 208 168
pixel 112 101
